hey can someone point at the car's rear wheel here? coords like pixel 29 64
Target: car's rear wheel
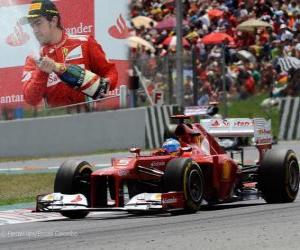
pixel 185 175
pixel 73 177
pixel 278 176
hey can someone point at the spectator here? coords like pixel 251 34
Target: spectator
pixel 265 44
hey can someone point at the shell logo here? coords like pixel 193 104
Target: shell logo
pixel 226 171
pixel 156 196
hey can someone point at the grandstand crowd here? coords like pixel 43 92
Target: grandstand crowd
pixel 251 56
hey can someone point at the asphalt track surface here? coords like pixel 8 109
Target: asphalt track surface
pixel 245 225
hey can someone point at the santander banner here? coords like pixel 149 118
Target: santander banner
pixel 106 20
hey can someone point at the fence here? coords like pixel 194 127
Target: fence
pixel 157 121
pixel 289 118
pixel 159 74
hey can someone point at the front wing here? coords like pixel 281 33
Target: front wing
pixel 144 202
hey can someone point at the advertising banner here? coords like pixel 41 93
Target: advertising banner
pixel 106 20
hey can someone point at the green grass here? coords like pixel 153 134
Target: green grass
pixel 20 188
pixel 250 108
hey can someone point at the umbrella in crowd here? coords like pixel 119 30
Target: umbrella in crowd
pixel 246 55
pixel 253 24
pixel 145 21
pixel 169 3
pixel 168 23
pixel 138 42
pixel 171 41
pixel 288 62
pixel 215 13
pixel 218 38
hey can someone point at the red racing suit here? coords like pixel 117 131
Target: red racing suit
pixel 82 50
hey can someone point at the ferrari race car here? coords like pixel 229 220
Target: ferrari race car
pixel 199 172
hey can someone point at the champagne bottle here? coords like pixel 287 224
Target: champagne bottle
pixel 84 80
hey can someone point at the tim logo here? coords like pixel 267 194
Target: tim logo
pixel 120 30
pixel 18 37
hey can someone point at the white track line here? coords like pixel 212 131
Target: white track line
pixel 36 168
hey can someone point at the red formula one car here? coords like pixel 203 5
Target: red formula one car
pixel 200 171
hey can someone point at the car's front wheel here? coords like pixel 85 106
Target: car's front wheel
pixel 185 175
pixel 73 177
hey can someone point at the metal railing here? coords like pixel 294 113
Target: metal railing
pixel 158 75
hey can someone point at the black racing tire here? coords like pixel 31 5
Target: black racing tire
pixel 73 177
pixel 185 175
pixel 111 187
pixel 278 176
pixel 133 188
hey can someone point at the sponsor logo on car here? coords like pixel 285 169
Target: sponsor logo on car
pixel 243 124
pixel 219 123
pixel 264 141
pixel 156 197
pixel 123 162
pixel 226 170
pixel 263 131
pixel 157 164
pixel 169 200
pixel 123 172
pixel 77 199
pixel 49 197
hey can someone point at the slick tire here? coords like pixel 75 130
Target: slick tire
pixel 73 177
pixel 278 176
pixel 185 175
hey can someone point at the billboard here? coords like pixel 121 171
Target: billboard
pixel 106 20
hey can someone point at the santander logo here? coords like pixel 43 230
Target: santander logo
pixel 18 37
pixel 120 30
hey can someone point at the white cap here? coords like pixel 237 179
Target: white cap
pixel 297 47
pixel 279 12
pixel 283 26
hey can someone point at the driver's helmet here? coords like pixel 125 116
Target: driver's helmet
pixel 171 145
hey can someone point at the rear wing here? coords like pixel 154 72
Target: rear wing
pixel 196 110
pixel 202 111
pixel 258 128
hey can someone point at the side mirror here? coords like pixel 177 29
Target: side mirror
pixel 212 110
pixel 186 149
